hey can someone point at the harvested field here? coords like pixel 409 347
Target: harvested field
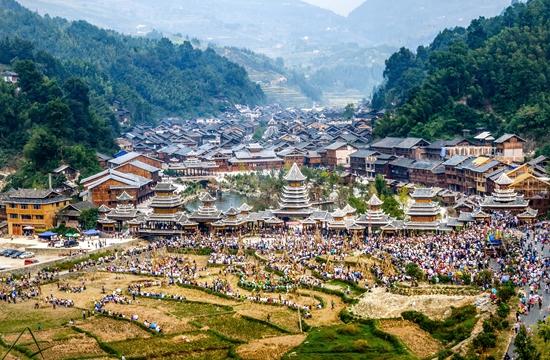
pixel 170 347
pixel 280 316
pixel 76 346
pixel 327 315
pixel 271 348
pixel 238 328
pixel 196 295
pixel 190 309
pixel 380 304
pixel 418 341
pixel 168 323
pixel 107 329
pixel 41 335
pixel 16 317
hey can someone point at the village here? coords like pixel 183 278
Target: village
pixel 160 254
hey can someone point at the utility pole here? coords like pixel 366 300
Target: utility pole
pixel 300 318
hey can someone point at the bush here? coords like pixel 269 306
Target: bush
pixel 443 354
pixel 414 271
pixel 349 329
pixel 503 310
pixel 330 335
pixel 498 323
pixel 484 277
pixel 505 292
pixel 345 316
pixel 360 346
pixel 488 326
pixel 456 327
pixel 485 340
pixel 466 278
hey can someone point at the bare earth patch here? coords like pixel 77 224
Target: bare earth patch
pixel 418 341
pixel 280 316
pixel 168 323
pixel 270 348
pixel 112 330
pixel 327 315
pixel 380 304
pixel 73 347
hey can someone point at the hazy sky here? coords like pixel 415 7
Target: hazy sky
pixel 342 7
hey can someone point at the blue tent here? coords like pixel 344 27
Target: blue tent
pixel 47 234
pixel 91 232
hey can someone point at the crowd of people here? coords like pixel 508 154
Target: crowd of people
pixel 292 259
pixel 55 302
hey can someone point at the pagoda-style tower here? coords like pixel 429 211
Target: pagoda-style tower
pixel 125 210
pixel 167 218
pixel 375 217
pixel 338 221
pixel 207 212
pixel 294 200
pixel 233 220
pixel 424 211
pixel 166 202
pixel 245 209
pixel 504 198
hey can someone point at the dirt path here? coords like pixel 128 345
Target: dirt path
pixel 327 315
pixel 418 341
pixel 270 348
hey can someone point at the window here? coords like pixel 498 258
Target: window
pixel 26 217
pixel 24 206
pixel 36 206
pixel 13 206
pixel 14 216
pixel 39 217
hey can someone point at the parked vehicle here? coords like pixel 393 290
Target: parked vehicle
pixel 26 255
pixel 8 252
pixel 30 261
pixel 71 243
pixel 16 254
pixel 5 252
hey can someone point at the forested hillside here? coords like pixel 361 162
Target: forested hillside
pixel 48 119
pixel 147 76
pixel 494 75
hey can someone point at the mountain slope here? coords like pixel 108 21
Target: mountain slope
pixel 45 120
pixel 281 85
pixel 267 25
pixel 336 54
pixel 149 76
pixel 494 75
pixel 415 22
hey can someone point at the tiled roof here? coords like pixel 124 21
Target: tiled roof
pixel 363 153
pixel 506 137
pixel 295 174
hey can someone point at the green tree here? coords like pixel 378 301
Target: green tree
pixel 88 218
pixel 392 207
pixel 349 111
pixel 81 158
pixel 483 77
pixel 381 186
pixel 43 149
pixel 358 204
pixel 414 271
pixel 525 349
